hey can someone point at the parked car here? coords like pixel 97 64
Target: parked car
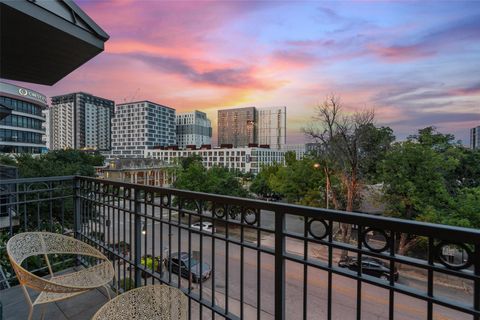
pixel 179 263
pixel 371 266
pixel 207 226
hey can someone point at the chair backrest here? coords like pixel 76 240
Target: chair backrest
pixel 28 244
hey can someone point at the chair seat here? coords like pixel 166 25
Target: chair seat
pixel 46 297
pixel 97 275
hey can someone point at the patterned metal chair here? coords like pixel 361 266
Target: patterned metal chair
pixel 150 302
pixel 60 287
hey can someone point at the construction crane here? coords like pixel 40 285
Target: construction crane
pixel 132 97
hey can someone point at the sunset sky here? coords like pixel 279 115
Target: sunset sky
pixel 416 63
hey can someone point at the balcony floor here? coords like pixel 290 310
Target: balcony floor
pixel 83 306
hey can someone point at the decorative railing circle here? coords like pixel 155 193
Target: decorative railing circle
pixel 165 200
pixel 250 216
pixel 314 234
pixel 439 253
pixel 149 197
pixel 234 211
pixel 371 247
pixel 219 211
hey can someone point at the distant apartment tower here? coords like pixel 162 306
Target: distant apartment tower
pixel 80 121
pixel 475 138
pixel 193 128
pixel 243 126
pixel 141 125
pixel 237 126
pixel 271 126
pixel 21 119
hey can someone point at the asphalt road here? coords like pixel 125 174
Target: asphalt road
pixel 228 271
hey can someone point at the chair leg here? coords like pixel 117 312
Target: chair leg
pixel 30 313
pixel 43 311
pixel 29 301
pixel 108 292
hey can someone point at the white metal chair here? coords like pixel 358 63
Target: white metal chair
pixel 159 302
pixel 56 288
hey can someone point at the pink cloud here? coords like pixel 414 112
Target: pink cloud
pixel 400 53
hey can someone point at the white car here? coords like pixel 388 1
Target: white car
pixel 207 226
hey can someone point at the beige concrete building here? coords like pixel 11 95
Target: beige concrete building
pixel 152 172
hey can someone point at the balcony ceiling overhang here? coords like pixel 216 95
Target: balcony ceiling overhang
pixel 42 41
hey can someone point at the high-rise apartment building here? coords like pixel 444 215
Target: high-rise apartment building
pixel 271 126
pixel 237 126
pixel 193 128
pixel 80 121
pixel 475 138
pixel 21 119
pixel 141 125
pixel 243 126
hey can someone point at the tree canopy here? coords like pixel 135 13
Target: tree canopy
pixel 432 178
pixel 55 163
pixel 193 176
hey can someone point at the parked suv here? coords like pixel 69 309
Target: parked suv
pixel 179 263
pixel 371 266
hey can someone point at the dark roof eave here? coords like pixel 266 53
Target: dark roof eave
pixel 60 23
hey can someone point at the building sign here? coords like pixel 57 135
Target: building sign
pixel 22 92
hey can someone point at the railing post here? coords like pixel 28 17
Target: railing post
pixel 138 237
pixel 77 220
pixel 279 266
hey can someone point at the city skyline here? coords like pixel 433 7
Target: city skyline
pixel 416 64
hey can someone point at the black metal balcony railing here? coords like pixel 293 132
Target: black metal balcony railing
pixel 266 260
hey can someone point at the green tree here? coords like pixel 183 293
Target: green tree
pixel 297 179
pixel 414 186
pixel 56 163
pixel 466 209
pixel 195 177
pixel 374 144
pixel 260 184
pixel 347 152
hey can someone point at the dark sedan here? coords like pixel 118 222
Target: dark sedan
pixel 371 266
pixel 181 262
